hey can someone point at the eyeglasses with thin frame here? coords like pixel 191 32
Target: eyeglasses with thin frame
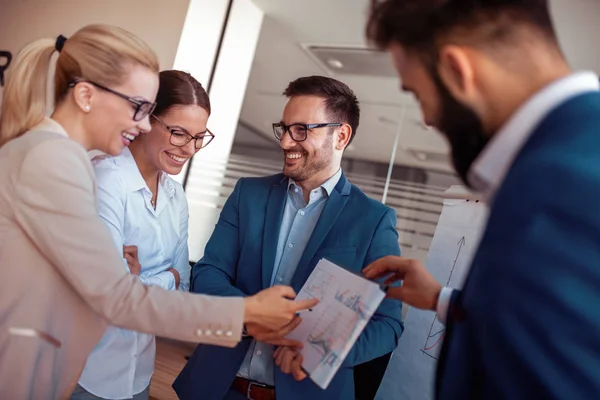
pixel 298 132
pixel 180 137
pixel 142 108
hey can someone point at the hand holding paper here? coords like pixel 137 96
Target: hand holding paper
pixel 419 288
pixel 328 332
pixel 290 361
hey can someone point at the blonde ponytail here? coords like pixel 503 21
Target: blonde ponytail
pixel 100 53
pixel 24 101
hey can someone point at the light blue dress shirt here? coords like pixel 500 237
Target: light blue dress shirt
pixel 297 225
pixel 122 363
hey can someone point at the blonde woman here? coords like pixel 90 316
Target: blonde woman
pixel 63 278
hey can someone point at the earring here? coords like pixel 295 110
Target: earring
pixel 87 108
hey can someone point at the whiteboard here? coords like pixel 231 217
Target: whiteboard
pixel 411 372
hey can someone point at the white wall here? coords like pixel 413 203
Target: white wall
pixel 185 35
pixel 157 22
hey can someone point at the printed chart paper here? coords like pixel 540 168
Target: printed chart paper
pixel 328 332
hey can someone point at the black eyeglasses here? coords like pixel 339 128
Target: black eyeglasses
pixel 298 132
pixel 142 108
pixel 180 138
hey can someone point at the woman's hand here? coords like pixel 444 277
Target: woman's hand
pixel 177 277
pixel 130 253
pixel 273 308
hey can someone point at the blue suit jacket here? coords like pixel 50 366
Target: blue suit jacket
pixel 527 323
pixel 353 231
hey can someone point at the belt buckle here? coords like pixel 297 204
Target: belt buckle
pixel 249 390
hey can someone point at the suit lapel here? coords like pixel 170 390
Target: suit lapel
pixel 273 217
pixel 334 206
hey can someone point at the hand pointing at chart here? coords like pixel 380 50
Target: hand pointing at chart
pixel 419 288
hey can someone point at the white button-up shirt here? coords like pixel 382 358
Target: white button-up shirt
pixel 490 168
pixel 122 363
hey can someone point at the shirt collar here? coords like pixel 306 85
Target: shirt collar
pixel 328 185
pixel 491 166
pixel 134 176
pixel 50 125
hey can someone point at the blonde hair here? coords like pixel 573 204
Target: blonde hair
pixel 100 53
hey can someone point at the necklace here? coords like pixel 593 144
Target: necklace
pixel 155 197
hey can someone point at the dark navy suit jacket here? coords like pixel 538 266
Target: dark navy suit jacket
pixel 527 323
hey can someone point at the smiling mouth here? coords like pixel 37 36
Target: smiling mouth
pixel 129 136
pixel 177 158
pixel 294 155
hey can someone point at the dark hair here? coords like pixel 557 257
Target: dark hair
pixel 340 101
pixel 178 88
pixel 420 25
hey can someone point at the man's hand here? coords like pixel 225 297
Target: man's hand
pixel 130 253
pixel 177 277
pixel 419 289
pixel 290 362
pixel 276 338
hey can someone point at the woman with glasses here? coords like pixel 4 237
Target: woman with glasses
pixel 62 280
pixel 147 214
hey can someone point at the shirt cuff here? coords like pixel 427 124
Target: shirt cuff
pixel 170 284
pixel 443 304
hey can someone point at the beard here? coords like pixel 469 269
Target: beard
pixel 463 128
pixel 311 164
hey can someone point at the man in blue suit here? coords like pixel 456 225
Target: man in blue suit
pixel 274 230
pixel 525 133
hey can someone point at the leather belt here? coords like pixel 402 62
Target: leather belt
pixel 253 390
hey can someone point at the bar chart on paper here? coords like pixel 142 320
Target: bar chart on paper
pixel 328 332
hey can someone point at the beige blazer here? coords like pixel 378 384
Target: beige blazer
pixel 62 279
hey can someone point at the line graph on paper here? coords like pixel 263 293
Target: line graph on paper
pixel 331 333
pixel 319 284
pixel 437 331
pixel 329 330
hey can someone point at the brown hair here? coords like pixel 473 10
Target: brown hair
pixel 99 53
pixel 178 88
pixel 340 101
pixel 422 25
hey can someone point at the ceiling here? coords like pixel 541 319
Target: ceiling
pixel 291 27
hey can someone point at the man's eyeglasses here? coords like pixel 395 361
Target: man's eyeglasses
pixel 142 108
pixel 180 138
pixel 298 132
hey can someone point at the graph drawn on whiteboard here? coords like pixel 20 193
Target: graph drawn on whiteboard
pixel 452 248
pixel 437 331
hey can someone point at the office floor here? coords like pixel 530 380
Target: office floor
pixel 169 361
